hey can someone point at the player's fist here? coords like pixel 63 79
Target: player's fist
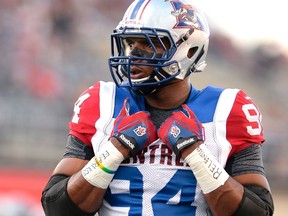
pixel 134 131
pixel 181 130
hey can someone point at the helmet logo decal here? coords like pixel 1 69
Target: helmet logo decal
pixel 185 15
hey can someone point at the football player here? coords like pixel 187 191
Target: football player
pixel 150 143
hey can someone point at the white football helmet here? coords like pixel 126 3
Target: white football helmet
pixel 180 22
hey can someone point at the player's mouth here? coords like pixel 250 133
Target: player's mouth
pixel 137 75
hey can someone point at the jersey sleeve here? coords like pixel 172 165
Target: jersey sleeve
pixel 86 113
pixel 244 126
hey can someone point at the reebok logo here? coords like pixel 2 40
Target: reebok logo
pixel 127 141
pixel 185 142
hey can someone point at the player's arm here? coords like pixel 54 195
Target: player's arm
pixel 69 193
pixel 225 195
pixel 245 194
pixel 78 185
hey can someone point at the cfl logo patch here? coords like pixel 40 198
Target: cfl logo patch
pixel 175 131
pixel 140 131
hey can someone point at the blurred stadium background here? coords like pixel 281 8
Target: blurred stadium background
pixel 52 50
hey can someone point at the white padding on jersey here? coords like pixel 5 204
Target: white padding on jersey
pixel 106 97
pixel 207 170
pixel 223 109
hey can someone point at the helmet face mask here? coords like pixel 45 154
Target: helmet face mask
pixel 181 32
pixel 120 63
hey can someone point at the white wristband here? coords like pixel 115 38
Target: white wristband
pixel 100 170
pixel 207 170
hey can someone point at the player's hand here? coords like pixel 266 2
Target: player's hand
pixel 134 131
pixel 180 130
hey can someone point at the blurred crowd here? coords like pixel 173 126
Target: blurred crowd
pixel 52 50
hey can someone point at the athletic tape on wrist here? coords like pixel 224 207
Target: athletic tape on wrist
pixel 100 170
pixel 207 170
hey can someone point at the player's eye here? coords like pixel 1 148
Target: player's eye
pixel 129 43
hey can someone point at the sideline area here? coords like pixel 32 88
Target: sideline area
pixel 20 191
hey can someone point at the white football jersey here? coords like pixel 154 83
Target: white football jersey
pixel 156 182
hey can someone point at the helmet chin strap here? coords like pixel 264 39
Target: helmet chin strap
pixel 140 80
pixel 193 68
pixel 146 89
pixel 156 76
